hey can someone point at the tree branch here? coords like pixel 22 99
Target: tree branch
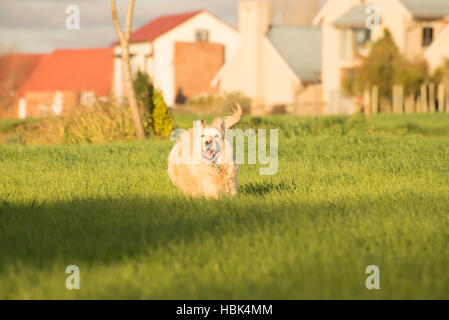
pixel 116 22
pixel 129 19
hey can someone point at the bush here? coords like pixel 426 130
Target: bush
pixel 220 103
pixel 442 73
pixel 103 122
pixel 156 116
pixel 385 66
pixel 162 118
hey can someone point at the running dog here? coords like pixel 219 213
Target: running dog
pixel 202 163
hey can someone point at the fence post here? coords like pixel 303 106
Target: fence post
pixel 410 104
pixel 398 99
pixel 375 99
pixel 447 96
pixel 423 100
pixel 418 104
pixel 366 103
pixel 432 106
pixel 441 99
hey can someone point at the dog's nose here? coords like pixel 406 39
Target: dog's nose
pixel 208 142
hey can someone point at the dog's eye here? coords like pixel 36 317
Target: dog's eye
pixel 202 136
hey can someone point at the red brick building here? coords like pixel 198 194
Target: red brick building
pixel 62 79
pixel 15 69
pixel 196 64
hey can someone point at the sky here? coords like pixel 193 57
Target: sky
pixel 40 25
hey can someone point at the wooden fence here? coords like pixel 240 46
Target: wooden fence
pixel 431 98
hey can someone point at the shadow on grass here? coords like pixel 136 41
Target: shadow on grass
pixel 108 230
pixel 262 189
pixel 103 231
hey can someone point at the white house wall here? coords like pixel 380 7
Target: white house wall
pixel 156 58
pixel 438 51
pixel 140 60
pixel 331 48
pixel 219 32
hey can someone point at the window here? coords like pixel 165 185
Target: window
pixel 202 35
pixel 353 41
pixel 427 36
pixel 361 37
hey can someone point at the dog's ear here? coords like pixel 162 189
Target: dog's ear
pixel 234 118
pixel 219 124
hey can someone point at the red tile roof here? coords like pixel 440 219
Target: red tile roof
pixel 159 26
pixel 15 69
pixel 73 70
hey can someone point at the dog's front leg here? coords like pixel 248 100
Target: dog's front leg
pixel 233 180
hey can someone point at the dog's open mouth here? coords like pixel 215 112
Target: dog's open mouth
pixel 211 151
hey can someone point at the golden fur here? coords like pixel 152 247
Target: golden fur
pixel 205 177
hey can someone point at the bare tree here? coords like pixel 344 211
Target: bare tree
pixel 124 38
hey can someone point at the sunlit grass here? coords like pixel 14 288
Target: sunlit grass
pixel 346 196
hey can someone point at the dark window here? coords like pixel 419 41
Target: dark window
pixel 362 36
pixel 427 36
pixel 202 35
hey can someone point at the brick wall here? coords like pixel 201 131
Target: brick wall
pixel 39 103
pixel 196 64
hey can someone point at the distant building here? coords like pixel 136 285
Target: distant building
pixel 63 79
pixel 278 67
pixel 181 53
pixel 15 69
pixel 420 29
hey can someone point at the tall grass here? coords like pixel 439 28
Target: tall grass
pixel 102 122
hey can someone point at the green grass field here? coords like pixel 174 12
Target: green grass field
pixel 346 196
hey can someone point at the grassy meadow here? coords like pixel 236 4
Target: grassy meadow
pixel 347 194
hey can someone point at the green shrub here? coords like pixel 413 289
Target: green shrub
pixel 156 116
pixel 442 73
pixel 384 66
pixel 162 118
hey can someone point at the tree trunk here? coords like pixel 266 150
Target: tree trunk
pixel 127 77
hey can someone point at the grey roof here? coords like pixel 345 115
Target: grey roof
pixel 427 9
pixel 300 47
pixel 355 17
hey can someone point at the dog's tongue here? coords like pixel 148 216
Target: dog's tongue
pixel 208 153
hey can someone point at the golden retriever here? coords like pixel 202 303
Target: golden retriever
pixel 202 163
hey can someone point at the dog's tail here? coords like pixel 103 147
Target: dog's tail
pixel 233 119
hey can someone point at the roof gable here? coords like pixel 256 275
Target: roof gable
pixel 15 69
pixel 160 26
pixel 300 47
pixel 355 17
pixel 73 70
pixel 427 9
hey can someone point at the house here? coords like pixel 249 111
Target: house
pixel 181 53
pixel 278 67
pixel 65 78
pixel 14 71
pixel 419 28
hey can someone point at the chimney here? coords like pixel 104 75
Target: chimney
pixel 254 17
pixel 254 23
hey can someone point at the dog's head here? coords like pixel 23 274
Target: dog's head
pixel 212 140
pixel 212 137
